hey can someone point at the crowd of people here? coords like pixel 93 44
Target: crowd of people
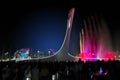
pixel 38 70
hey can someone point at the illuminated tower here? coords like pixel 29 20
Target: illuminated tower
pixel 61 54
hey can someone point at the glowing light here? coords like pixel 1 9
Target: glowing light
pixel 110 56
pixel 53 77
pixel 71 15
pixel 93 54
pixel 27 52
pixel 68 24
pixel 119 56
pixel 101 71
pixel 38 51
pixel 28 78
pixel 106 73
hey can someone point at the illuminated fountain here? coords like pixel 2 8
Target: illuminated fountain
pixel 95 41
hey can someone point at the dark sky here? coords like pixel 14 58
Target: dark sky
pixel 42 25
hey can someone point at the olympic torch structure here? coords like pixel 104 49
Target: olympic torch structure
pixel 61 54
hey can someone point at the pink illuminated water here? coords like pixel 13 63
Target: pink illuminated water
pixel 95 41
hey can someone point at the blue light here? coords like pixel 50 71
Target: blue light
pixel 101 71
pixel 23 55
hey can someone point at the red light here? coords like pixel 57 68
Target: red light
pixel 110 56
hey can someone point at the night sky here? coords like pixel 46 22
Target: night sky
pixel 42 25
